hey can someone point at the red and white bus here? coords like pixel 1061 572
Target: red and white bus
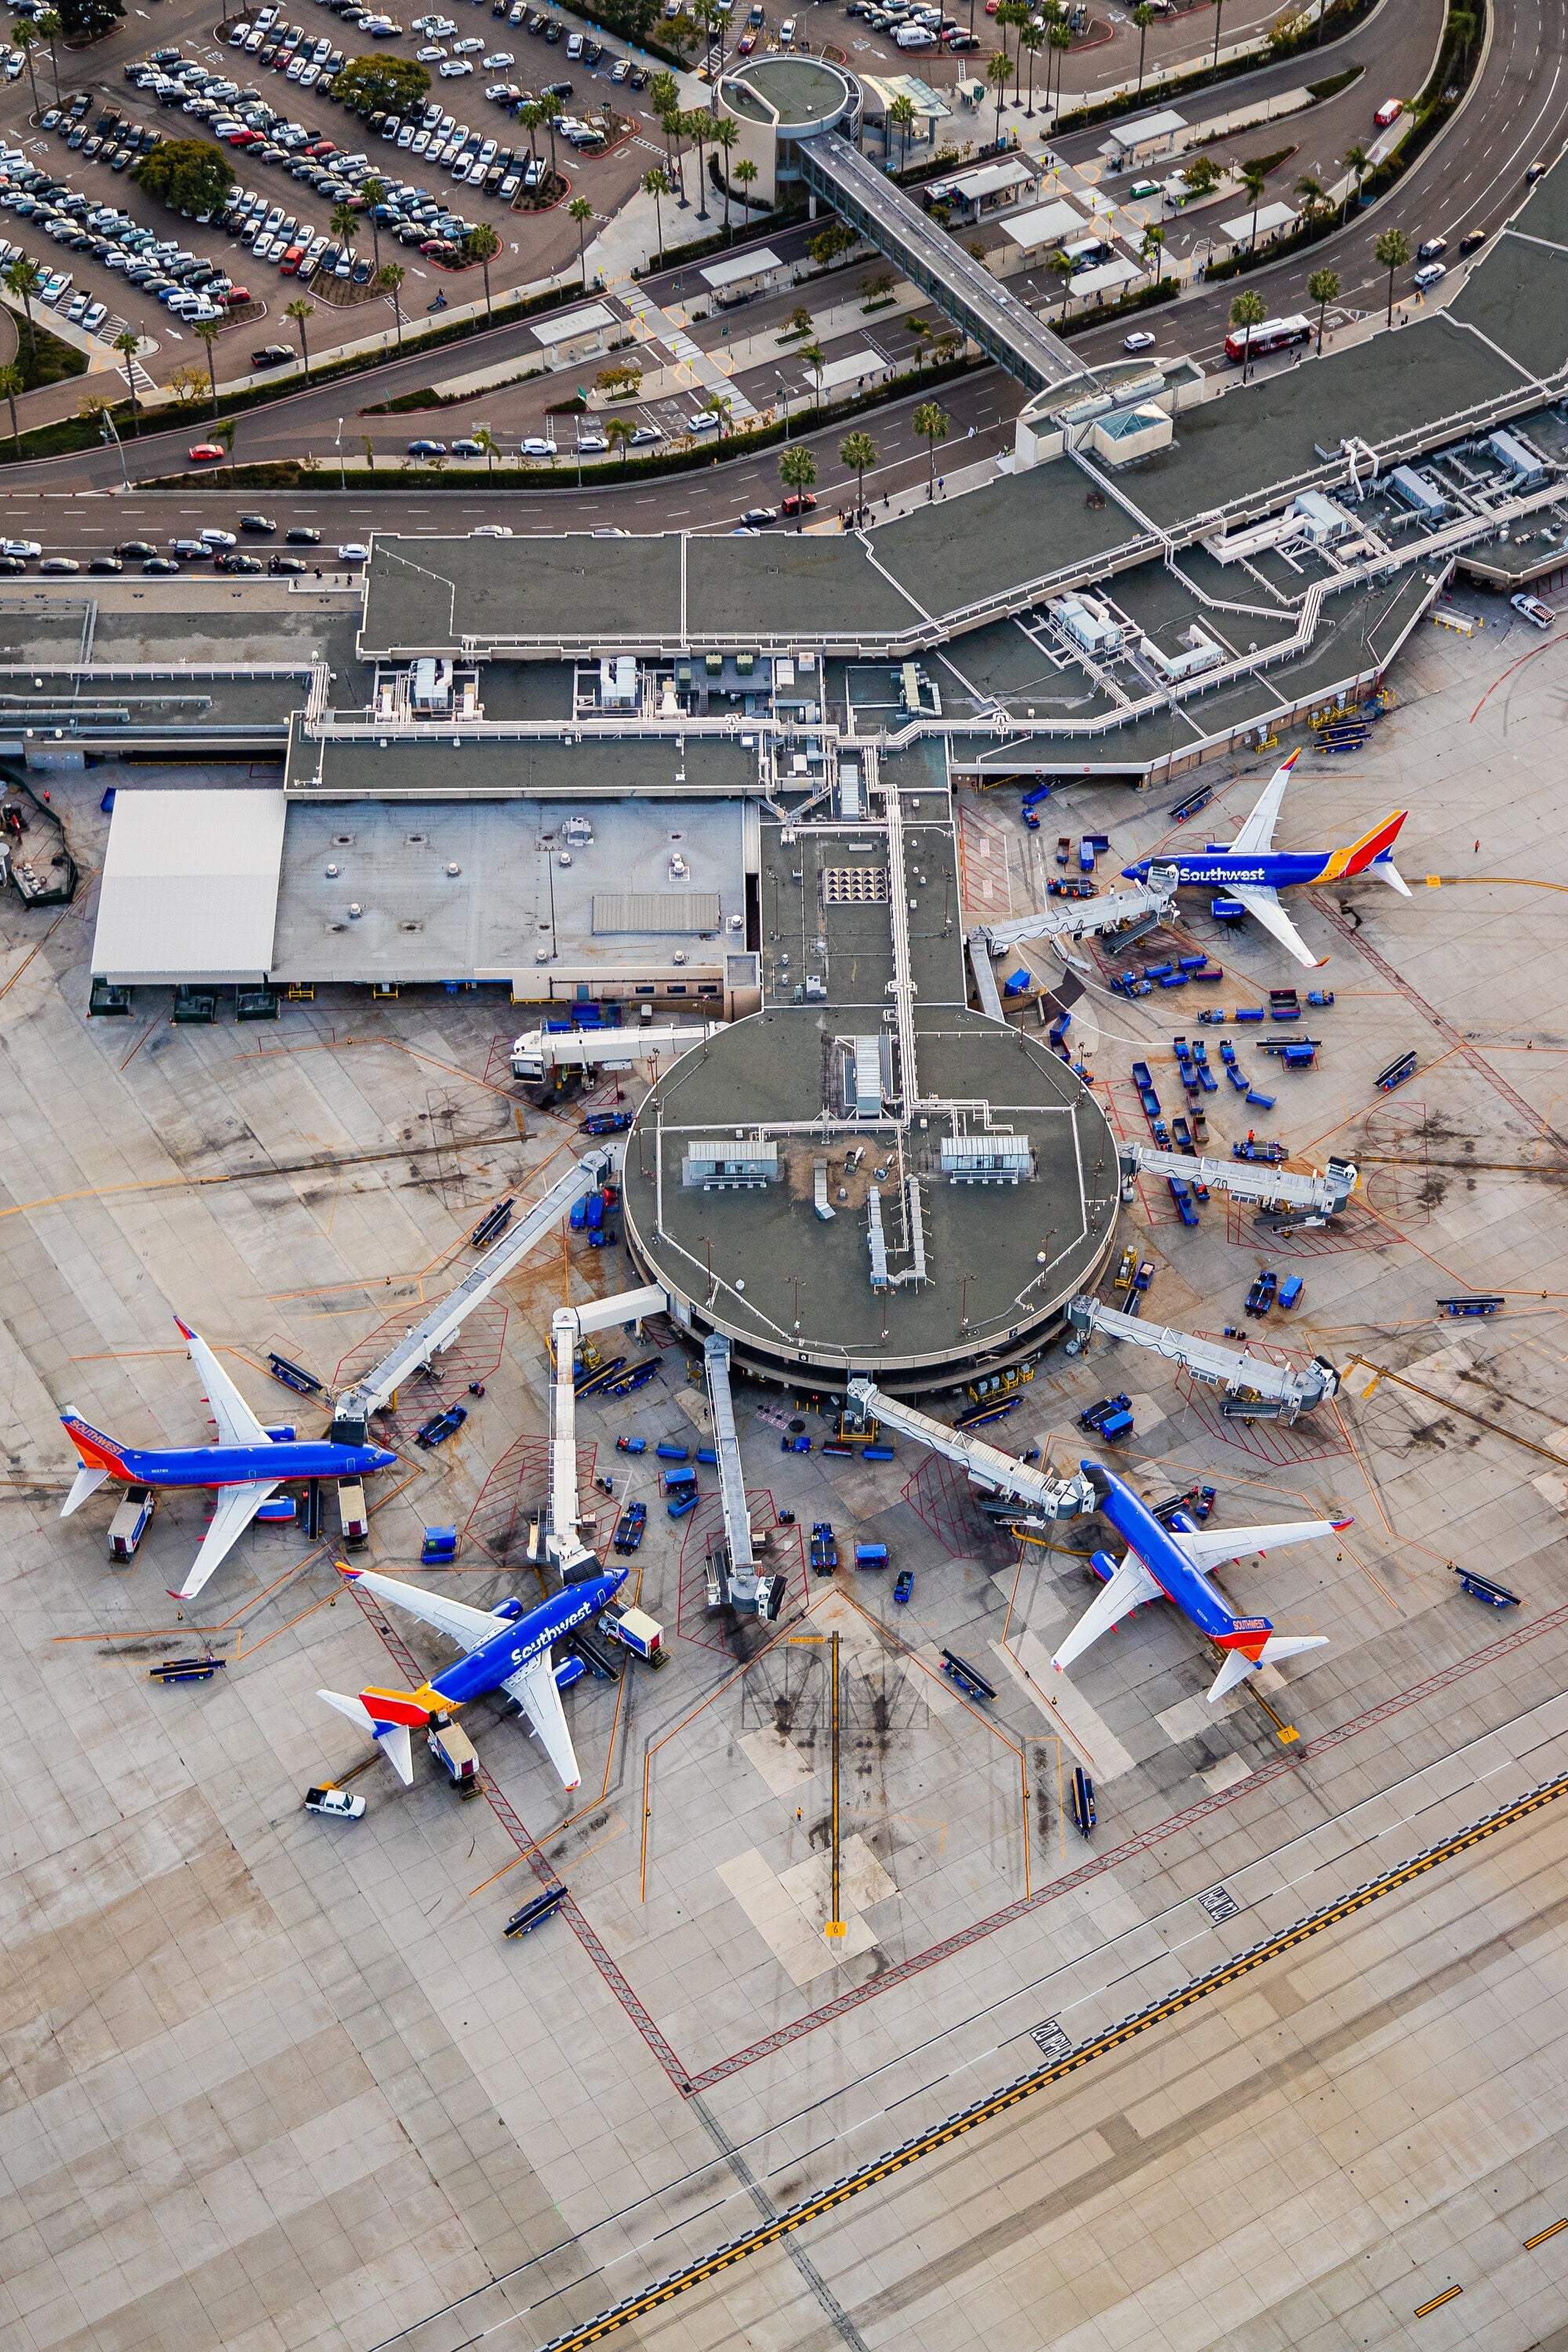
pixel 1268 335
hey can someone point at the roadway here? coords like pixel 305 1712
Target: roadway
pixel 1472 176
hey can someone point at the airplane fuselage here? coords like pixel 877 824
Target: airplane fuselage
pixel 1178 1580
pixel 242 1465
pixel 517 1643
pixel 1273 870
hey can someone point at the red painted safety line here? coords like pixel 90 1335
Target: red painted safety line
pixel 1445 1028
pixel 544 1870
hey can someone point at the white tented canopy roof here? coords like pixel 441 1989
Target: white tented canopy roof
pixel 990 180
pixel 190 887
pixel 591 322
pixel 1044 225
pixel 850 369
pixel 1101 281
pixel 1270 219
pixel 739 267
pixel 1149 130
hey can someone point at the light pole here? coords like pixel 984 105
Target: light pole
pixel 343 475
pixel 107 433
pixel 784 389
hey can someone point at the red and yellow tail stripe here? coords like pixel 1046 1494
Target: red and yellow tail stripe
pixel 412 1707
pixel 1341 862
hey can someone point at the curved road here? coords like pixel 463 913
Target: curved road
pixel 1471 177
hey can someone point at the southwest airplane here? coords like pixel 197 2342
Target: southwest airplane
pixel 505 1650
pixel 247 1465
pixel 1171 1564
pixel 1250 870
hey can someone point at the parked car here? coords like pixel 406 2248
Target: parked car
pixel 1532 609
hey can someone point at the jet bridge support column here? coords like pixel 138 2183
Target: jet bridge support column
pixel 733 1581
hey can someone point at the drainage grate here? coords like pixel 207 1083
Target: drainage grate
pixel 854 885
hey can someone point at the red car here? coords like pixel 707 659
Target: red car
pixel 232 296
pixel 208 452
pixel 798 502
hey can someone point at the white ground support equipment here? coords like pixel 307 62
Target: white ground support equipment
pixel 987 1467
pixel 733 1580
pixel 1245 1180
pixel 567 1326
pixel 1254 1391
pixel 539 1051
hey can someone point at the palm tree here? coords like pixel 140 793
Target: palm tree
pixel 721 406
pixel 128 343
pixel 797 471
pixel 745 172
pixel 484 244
pixel 300 310
pixel 23 278
pixel 582 212
pixel 999 73
pixel 1143 16
pixel 1218 7
pixel 368 446
pixel 344 227
pixel 531 116
pixel 549 113
pixel 724 132
pixel 1061 42
pixel 815 359
pixel 1248 311
pixel 619 432
pixel 1254 179
pixel 1324 287
pixel 1153 246
pixel 12 381
pixel 1391 252
pixel 920 335
pixel 1032 38
pixel 858 450
pixel 656 183
pixel 696 127
pixel 931 421
pixel 490 445
pixel 1314 199
pixel 1063 268
pixel 48 23
pixel 1462 25
pixel 902 112
pixel 664 95
pixel 1358 163
pixel 23 36
pixel 389 276
pixel 374 191
pixel 208 330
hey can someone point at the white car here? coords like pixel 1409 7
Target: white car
pixel 534 444
pixel 490 531
pixel 455 67
pixel 238 38
pixel 212 537
pixel 94 316
pixel 786 32
pixel 352 552
pixel 470 49
pixel 1429 274
pixel 430 55
pixel 592 444
pixel 1140 341
pixel 26 547
pixel 499 58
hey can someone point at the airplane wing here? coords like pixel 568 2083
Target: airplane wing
pixel 1258 830
pixel 1217 1551
pixel 468 1627
pixel 1128 1589
pixel 237 1424
pixel 534 1689
pixel 1264 906
pixel 237 1506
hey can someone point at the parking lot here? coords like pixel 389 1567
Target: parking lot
pixel 298 158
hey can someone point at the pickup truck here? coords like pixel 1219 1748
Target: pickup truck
pixel 338 1802
pixel 824 1548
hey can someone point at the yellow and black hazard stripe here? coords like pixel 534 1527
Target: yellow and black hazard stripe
pixel 1013 2095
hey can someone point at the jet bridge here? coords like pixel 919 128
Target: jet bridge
pixel 1245 1180
pixel 567 1326
pixel 539 1051
pixel 1084 918
pixel 415 1350
pixel 734 1581
pixel 986 1466
pixel 1259 1391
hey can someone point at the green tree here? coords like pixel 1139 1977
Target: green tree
pixel 550 112
pixel 368 446
pixel 1322 287
pixel 920 333
pixel 1248 311
pixel 1313 198
pixel 381 84
pixel 128 343
pixel 1031 41
pixel 745 175
pixel 1153 246
pixel 582 212
pixel 11 382
pixel 656 183
pixel 23 278
pixel 999 73
pixel 858 450
pixel 724 132
pixel 1203 176
pixel 1462 27
pixel 88 20
pixel 833 243
pixel 1063 268
pixel 48 24
pixel 300 310
pixel 931 421
pixel 695 127
pixel 531 116
pixel 375 193
pixel 1218 11
pixel 484 244
pixel 1391 252
pixel 189 176
pixel 902 117
pixel 797 471
pixel 389 277
pixel 1143 16
pixel 1254 179
pixel 815 359
pixel 1358 164
pixel 664 95
pixel 490 445
pixel 619 432
pixel 344 227
pixel 25 36
pixel 799 321
pixel 208 330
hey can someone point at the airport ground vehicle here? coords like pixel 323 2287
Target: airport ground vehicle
pixel 132 1520
pixel 340 1804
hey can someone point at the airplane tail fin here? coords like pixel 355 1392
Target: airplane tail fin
pixel 99 1457
pixel 1372 854
pixel 1246 1654
pixel 391 1736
